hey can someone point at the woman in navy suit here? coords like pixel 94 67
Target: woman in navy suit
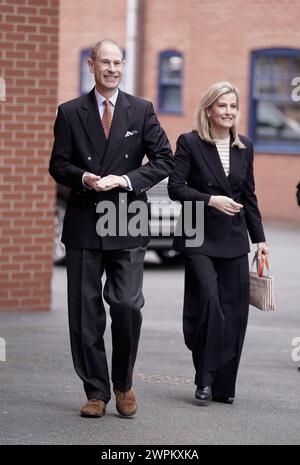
pixel 214 164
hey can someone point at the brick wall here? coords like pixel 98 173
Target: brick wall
pixel 29 65
pixel 83 23
pixel 216 38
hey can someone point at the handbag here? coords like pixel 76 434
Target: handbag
pixel 261 285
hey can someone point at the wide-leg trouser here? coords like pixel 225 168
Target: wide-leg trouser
pixel 215 315
pixel 87 317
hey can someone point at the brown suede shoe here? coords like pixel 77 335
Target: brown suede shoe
pixel 94 408
pixel 126 403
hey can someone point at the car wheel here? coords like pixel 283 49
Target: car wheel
pixel 59 251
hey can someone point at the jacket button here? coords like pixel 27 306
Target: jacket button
pixel 209 183
pixel 126 155
pixel 89 158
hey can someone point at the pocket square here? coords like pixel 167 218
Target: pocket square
pixel 130 133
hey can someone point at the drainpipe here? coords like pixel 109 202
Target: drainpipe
pixel 131 46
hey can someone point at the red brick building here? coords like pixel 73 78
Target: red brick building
pixel 28 64
pixel 183 47
pixel 216 41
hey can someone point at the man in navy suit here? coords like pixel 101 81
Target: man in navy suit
pixel 100 141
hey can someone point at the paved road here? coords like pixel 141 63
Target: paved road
pixel 41 395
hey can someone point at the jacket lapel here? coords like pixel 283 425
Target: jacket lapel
pixel 213 161
pixel 119 127
pixel 90 117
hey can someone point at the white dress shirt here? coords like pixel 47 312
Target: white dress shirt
pixel 101 102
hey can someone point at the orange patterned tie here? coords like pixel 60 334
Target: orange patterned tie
pixel 106 118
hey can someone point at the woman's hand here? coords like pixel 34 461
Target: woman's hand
pixel 225 204
pixel 262 250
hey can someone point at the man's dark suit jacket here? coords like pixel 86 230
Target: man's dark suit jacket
pixel 198 174
pixel 80 145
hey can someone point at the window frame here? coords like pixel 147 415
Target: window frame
pixel 84 55
pixel 162 83
pixel 274 146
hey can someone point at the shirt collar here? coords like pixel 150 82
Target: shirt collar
pixel 100 99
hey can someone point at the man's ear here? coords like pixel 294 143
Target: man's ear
pixel 91 65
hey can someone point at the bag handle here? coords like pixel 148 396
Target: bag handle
pixel 261 264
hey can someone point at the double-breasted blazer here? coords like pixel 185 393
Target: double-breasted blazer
pixel 80 146
pixel 197 175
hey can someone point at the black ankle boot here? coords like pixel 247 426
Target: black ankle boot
pixel 203 394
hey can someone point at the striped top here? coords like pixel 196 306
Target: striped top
pixel 223 150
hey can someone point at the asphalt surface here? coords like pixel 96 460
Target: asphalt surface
pixel 41 395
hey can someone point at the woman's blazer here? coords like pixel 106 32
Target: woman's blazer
pixel 198 173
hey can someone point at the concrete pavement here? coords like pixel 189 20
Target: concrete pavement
pixel 41 395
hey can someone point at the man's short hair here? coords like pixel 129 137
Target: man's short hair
pixel 94 49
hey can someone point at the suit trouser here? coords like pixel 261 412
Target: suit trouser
pixel 87 316
pixel 215 315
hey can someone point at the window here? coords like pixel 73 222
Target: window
pixel 86 78
pixel 274 116
pixel 170 82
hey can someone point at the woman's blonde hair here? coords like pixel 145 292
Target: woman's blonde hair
pixel 201 124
